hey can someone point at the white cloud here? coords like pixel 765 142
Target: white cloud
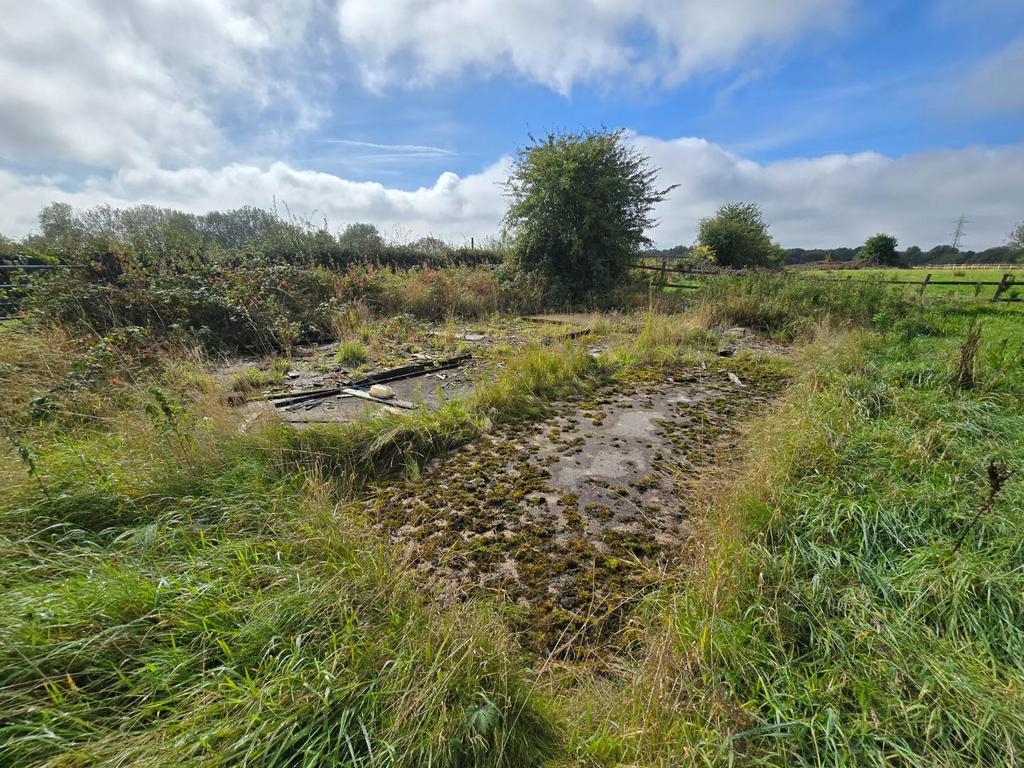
pixel 824 201
pixel 996 83
pixel 453 207
pixel 837 200
pixel 563 42
pixel 109 84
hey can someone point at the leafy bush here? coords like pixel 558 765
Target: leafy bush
pixel 581 205
pixel 738 237
pixel 880 249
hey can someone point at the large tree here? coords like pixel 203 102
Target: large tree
pixel 580 205
pixel 738 237
pixel 880 249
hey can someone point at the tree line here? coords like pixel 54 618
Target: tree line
pixel 580 207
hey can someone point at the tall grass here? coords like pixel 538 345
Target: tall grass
pixel 788 307
pixel 834 621
pixel 215 611
pixel 176 593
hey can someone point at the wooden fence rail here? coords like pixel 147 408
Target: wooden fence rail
pixel 1002 285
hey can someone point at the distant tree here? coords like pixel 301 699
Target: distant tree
pixel 60 230
pixel 429 244
pixel 913 255
pixel 364 239
pixel 580 205
pixel 880 249
pixel 240 226
pixel 1017 237
pixel 738 236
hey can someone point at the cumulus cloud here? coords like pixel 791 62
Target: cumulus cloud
pixel 563 42
pixel 109 84
pixel 826 201
pixel 837 200
pixel 453 207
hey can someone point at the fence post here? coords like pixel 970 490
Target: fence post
pixel 924 284
pixel 1003 285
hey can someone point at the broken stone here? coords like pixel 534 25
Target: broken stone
pixel 382 392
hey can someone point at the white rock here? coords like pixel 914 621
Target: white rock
pixel 382 392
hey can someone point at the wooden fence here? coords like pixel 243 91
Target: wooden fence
pixel 1001 286
pixel 977 266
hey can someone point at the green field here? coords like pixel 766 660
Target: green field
pixel 938 277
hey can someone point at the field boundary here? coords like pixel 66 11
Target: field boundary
pixel 1001 286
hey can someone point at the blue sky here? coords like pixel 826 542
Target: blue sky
pixel 885 82
pixel 839 117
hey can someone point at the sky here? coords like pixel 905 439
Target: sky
pixel 840 118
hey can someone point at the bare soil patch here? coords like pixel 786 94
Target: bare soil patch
pixel 571 520
pixel 391 344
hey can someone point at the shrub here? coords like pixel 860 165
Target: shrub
pixel 580 207
pixel 351 353
pixel 737 235
pixel 880 249
pixel 256 307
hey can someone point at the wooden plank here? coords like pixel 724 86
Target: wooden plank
pixel 391 402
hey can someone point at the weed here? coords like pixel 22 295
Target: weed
pixel 998 474
pixel 966 362
pixel 168 417
pixel 351 353
pixel 27 458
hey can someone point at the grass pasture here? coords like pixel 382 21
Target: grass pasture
pixel 939 276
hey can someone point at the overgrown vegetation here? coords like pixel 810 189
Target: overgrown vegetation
pixel 176 591
pixel 787 307
pixel 737 236
pixel 242 280
pixel 859 597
